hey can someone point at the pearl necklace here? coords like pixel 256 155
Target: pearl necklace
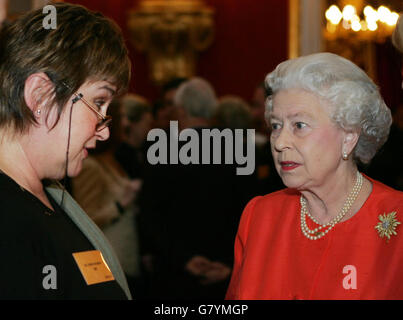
pixel 318 233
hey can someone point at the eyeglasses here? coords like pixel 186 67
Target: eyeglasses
pixel 104 121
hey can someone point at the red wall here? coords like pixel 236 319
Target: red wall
pixel 250 40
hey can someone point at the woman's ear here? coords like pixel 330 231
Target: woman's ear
pixel 350 141
pixel 37 91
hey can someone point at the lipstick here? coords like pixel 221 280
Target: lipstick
pixel 288 165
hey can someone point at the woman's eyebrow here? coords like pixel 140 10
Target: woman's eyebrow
pixel 294 115
pixel 273 117
pixel 300 114
pixel 108 88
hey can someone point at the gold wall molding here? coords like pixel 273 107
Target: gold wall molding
pixel 171 33
pixel 293 29
pixel 305 27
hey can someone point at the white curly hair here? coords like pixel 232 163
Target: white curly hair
pixel 356 101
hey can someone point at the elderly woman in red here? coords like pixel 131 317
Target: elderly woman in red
pixel 334 233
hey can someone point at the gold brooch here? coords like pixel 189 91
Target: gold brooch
pixel 387 226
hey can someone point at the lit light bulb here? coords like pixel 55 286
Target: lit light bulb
pixel 392 19
pixel 348 12
pixel 333 14
pixel 372 26
pixel 383 13
pixel 356 26
pixel 370 14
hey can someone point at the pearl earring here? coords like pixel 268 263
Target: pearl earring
pixel 345 155
pixel 38 112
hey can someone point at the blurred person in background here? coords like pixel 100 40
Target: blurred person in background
pixel 163 109
pixel 131 152
pixel 232 112
pixel 258 108
pixel 383 166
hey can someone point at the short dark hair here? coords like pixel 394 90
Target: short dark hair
pixel 85 46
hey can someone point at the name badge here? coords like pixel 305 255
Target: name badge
pixel 93 267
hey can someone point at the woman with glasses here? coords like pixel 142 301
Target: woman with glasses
pixel 56 86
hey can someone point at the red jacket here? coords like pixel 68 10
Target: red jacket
pixel 274 260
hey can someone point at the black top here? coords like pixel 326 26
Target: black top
pixel 33 237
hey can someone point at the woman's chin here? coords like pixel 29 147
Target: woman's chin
pixel 291 182
pixel 74 170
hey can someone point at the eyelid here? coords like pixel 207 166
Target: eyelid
pixel 273 123
pixel 304 125
pixel 100 101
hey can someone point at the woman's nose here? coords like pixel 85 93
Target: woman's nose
pixel 282 140
pixel 103 134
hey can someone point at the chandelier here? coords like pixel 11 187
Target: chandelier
pixel 359 22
